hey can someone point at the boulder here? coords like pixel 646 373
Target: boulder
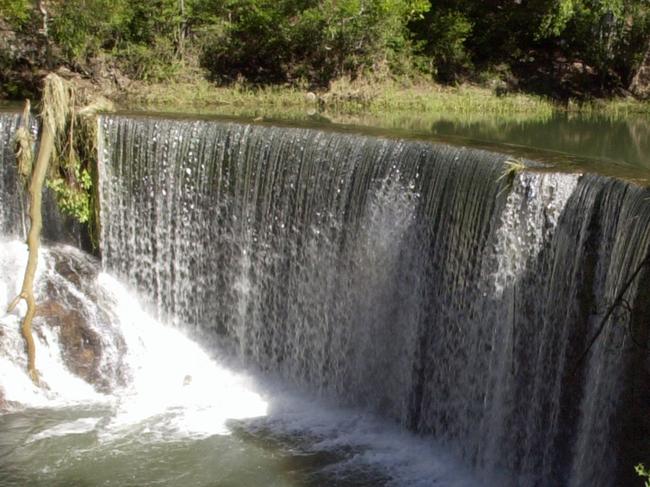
pixel 68 305
pixel 80 344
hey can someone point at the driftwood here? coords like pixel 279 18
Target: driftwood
pixel 54 114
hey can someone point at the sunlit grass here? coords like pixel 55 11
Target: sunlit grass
pixel 367 97
pixel 205 95
pixel 614 108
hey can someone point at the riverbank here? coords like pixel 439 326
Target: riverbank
pixel 356 98
pixel 365 97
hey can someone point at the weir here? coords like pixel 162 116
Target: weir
pixel 435 286
pixel 424 282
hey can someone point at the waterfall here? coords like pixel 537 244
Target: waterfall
pixel 11 221
pixel 96 345
pixel 419 281
pixel 13 198
pixel 123 395
pixel 412 279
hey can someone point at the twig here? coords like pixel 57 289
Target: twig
pixel 617 302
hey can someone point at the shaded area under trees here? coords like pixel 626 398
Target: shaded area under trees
pixel 562 48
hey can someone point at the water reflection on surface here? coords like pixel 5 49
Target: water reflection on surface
pixel 619 139
pixel 625 141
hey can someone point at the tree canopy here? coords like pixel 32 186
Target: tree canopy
pixel 315 41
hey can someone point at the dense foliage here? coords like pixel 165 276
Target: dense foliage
pixel 597 42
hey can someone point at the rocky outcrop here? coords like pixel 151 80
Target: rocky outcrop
pixel 69 307
pixel 23 62
pixel 82 346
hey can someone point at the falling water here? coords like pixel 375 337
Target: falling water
pixel 421 281
pixel 11 222
pixel 127 400
pixel 153 407
pixel 13 197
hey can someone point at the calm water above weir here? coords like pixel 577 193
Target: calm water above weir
pixel 561 137
pixel 324 307
pixel 606 139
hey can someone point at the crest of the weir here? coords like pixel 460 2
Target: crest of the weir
pixel 413 279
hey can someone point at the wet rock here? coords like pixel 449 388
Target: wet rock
pixel 68 305
pixel 77 267
pixel 5 404
pixel 81 345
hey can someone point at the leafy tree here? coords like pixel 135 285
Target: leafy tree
pixel 442 34
pixel 79 29
pixel 607 34
pixel 279 41
pixel 288 40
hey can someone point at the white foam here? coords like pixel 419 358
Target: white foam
pixel 170 376
pixel 80 426
pixel 60 386
pixel 176 391
pixel 173 376
pixel 368 443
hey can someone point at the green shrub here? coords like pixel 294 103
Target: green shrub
pixel 150 62
pixel 16 12
pixel 289 40
pixel 442 34
pixel 81 28
pixel 610 35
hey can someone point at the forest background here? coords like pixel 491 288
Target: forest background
pixel 564 50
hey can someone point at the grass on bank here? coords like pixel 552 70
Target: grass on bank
pixel 367 97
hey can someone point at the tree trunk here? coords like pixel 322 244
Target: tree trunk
pixel 182 28
pixel 640 85
pixel 33 242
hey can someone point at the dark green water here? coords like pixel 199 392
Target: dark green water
pixel 615 142
pixel 84 458
pixel 74 449
pixel 623 140
pixel 619 141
